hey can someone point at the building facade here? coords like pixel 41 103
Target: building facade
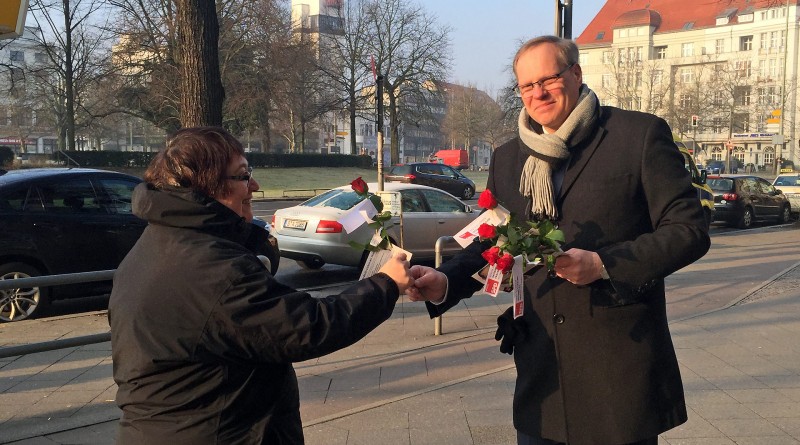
pixel 723 74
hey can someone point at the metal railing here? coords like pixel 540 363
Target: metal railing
pixel 55 280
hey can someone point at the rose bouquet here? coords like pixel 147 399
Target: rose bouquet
pixel 537 242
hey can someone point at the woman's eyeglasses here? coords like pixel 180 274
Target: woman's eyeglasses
pixel 242 177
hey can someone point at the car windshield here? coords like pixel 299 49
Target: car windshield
pixel 338 199
pixel 720 184
pixel 787 180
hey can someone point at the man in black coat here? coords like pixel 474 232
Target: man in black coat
pixel 595 361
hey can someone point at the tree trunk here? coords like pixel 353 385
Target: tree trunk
pixel 202 94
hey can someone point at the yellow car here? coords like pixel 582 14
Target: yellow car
pixel 704 192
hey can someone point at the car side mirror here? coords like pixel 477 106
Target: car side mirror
pixel 467 208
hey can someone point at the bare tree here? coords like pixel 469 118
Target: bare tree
pixel 72 45
pixel 469 116
pixel 410 49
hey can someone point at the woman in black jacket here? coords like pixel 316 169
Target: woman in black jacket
pixel 202 335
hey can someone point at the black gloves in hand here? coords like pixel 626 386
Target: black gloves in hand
pixel 509 331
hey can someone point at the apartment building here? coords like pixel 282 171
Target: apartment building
pixel 724 74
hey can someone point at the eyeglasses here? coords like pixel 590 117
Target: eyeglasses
pixel 242 177
pixel 527 89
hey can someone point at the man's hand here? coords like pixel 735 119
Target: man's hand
pixel 398 270
pixel 429 284
pixel 579 267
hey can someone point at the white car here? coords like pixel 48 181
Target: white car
pixel 311 234
pixel 789 184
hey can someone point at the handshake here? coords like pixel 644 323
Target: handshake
pixel 421 283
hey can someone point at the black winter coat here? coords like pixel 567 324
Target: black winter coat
pixel 598 365
pixel 203 336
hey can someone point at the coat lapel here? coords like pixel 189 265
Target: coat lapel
pixel 580 157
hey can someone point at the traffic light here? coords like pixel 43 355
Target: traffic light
pixel 695 120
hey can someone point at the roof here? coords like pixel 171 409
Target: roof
pixel 665 15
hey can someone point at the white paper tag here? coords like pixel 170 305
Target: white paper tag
pixel 495 216
pixel 517 279
pixel 358 215
pixel 494 280
pixel 376 260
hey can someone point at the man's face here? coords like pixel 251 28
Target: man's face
pixel 551 105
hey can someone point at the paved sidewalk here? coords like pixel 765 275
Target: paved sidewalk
pixel 403 385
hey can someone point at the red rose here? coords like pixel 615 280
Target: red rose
pixel 487 200
pixel 505 262
pixel 359 186
pixel 487 231
pixel 491 254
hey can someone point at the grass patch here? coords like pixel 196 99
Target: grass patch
pixel 309 181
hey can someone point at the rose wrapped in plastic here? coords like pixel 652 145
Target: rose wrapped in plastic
pixel 378 221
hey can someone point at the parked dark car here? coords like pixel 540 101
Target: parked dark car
pixel 438 176
pixel 66 220
pixel 741 200
pixel 715 167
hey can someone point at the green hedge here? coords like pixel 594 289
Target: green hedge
pixel 140 159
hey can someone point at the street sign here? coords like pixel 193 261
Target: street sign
pixel 391 202
pixel 12 18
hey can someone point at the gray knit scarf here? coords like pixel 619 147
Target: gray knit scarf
pixel 548 151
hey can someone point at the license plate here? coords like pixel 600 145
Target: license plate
pixel 298 224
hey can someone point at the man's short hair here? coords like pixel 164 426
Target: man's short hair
pixel 195 158
pixel 567 50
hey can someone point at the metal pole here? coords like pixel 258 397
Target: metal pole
pixel 379 92
pixel 437 322
pixel 567 19
pixel 558 26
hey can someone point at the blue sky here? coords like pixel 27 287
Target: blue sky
pixel 486 33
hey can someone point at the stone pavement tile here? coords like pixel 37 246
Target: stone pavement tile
pixel 781 381
pixel 22 398
pixel 695 428
pixel 479 395
pixel 691 380
pixel 769 410
pixel 761 440
pixel 790 425
pixel 33 385
pixel 698 441
pixel 385 436
pixel 46 409
pixel 757 395
pixel 63 376
pixel 313 383
pixel 705 396
pixel 792 393
pixel 493 435
pixel 713 411
pixel 355 379
pixel 36 441
pixel 447 434
pixel 101 434
pixel 70 397
pixel 402 374
pixel 737 381
pixel 752 428
pixel 325 434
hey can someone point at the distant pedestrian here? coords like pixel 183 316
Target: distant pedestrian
pixel 202 336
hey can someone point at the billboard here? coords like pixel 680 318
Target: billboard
pixel 12 18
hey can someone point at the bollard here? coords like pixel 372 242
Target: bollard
pixel 437 322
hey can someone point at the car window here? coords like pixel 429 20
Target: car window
pixel 115 195
pixel 447 171
pixel 720 184
pixel 412 201
pixel 765 186
pixel 430 169
pixel 787 180
pixel 442 202
pixel 14 200
pixel 750 185
pixel 400 170
pixel 76 196
pixel 338 199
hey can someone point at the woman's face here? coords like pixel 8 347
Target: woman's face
pixel 240 191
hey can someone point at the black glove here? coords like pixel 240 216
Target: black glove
pixel 510 331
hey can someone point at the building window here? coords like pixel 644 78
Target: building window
pixel 40 57
pixel 608 57
pixel 687 49
pixel 686 101
pixel 687 75
pixel 746 43
pixel 742 95
pixel 719 46
pixel 583 59
pixel 17 56
pixel 660 52
pixel 743 68
pixel 606 81
pixel 658 76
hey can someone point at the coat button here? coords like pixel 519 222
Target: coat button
pixel 558 319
